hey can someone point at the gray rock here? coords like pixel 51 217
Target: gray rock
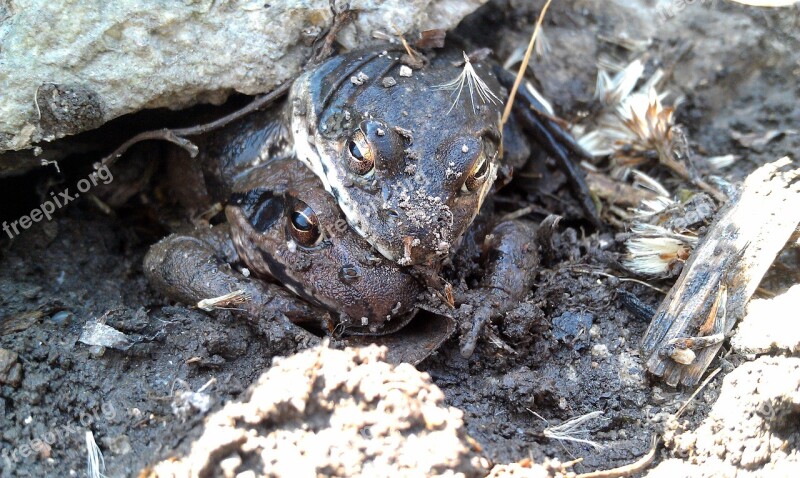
pixel 68 66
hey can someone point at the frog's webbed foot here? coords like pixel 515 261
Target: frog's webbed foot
pixel 537 119
pixel 195 269
pixel 511 265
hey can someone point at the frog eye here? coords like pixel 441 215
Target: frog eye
pixel 360 156
pixel 477 175
pixel 304 225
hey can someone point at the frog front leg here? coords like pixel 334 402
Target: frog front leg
pixel 511 263
pixel 196 266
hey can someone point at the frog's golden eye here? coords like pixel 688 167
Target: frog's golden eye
pixel 477 174
pixel 360 156
pixel 304 225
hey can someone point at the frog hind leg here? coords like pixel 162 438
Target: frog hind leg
pixel 511 264
pixel 195 267
pixel 535 118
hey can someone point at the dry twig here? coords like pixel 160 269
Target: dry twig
pixel 722 274
pixel 177 135
pixel 626 470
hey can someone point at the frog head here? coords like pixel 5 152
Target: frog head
pixel 408 158
pixel 285 226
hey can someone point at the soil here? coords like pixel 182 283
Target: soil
pixel 572 347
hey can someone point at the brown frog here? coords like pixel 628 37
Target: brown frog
pixel 287 233
pixel 408 164
pixel 411 154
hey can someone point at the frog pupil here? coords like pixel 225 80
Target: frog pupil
pixel 481 171
pixel 301 222
pixel 356 151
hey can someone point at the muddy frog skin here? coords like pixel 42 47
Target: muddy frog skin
pixel 409 154
pixel 283 228
pixel 305 265
pixel 392 171
pixel 286 228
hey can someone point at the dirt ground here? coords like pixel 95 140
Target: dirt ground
pixel 575 347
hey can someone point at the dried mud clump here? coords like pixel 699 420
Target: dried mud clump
pixel 751 430
pixel 327 412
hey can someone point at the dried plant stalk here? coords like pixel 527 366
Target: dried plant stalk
pixel 727 267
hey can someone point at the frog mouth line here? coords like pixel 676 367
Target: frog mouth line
pixel 397 323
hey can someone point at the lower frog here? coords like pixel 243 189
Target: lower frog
pixel 287 258
pixel 289 236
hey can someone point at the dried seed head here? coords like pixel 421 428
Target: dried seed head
pixel 655 256
pixel 613 90
pixel 474 83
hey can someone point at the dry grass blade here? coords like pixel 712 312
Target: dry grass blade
pixel 697 391
pixel 524 64
pixel 626 470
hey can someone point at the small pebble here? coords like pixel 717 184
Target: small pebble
pixel 600 351
pixel 380 132
pixel 10 370
pixel 388 82
pixel 62 318
pixel 359 79
pixel 405 71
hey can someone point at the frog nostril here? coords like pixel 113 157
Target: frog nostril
pixel 349 273
pixel 392 213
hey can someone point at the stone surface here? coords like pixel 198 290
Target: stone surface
pixel 10 370
pixel 325 412
pixel 67 66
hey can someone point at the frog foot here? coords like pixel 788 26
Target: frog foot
pixel 469 340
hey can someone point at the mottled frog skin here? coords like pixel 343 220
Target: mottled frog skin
pixel 409 172
pixel 363 172
pixel 285 227
pixel 408 158
pixel 287 232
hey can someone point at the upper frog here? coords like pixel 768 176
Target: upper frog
pixel 408 160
